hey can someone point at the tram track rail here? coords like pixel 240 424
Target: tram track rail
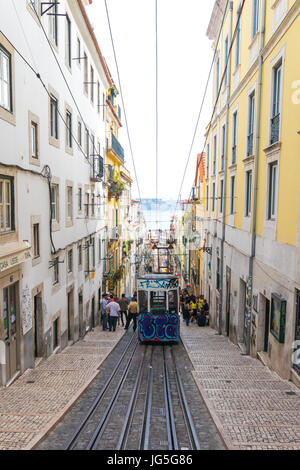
pixel 76 435
pixel 147 384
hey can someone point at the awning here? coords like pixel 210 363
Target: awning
pixel 12 254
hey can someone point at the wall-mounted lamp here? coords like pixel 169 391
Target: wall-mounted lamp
pixel 298 132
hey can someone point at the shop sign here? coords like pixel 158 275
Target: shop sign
pixel 14 260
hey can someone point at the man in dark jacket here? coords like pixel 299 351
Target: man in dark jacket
pixel 124 307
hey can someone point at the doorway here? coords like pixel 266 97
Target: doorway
pixel 267 325
pixel 93 313
pixel 11 329
pixel 70 316
pixel 80 313
pixel 38 326
pixel 228 294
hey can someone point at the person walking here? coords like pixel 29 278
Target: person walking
pixel 103 305
pixel 132 314
pixel 186 313
pixel 205 310
pixel 112 309
pixel 124 307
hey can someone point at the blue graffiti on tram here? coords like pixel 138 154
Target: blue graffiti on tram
pixel 160 328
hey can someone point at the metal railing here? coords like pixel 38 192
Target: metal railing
pixel 275 122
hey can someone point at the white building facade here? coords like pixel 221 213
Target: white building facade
pixel 53 82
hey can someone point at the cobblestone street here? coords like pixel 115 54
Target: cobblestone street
pixel 33 404
pixel 252 406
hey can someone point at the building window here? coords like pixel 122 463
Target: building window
pixel 78 51
pixel 36 240
pixel 56 271
pixel 255 18
pixel 70 261
pixel 69 138
pixel 276 103
pixel 213 196
pixel 69 202
pixel 53 117
pixel 53 30
pixel 250 138
pixel 92 84
pixel 207 197
pixel 207 161
pixel 232 194
pixel 79 131
pixel 225 62
pixel 85 74
pixel 79 199
pixel 248 205
pixel 215 155
pixel 5 80
pixel 34 140
pixel 273 168
pixel 80 255
pixel 87 144
pixel 68 42
pixel 103 110
pixel 54 203
pixel 221 196
pixel 93 205
pixel 234 138
pixel 6 204
pixel 238 41
pixel 217 76
pixel 223 147
pixel 87 204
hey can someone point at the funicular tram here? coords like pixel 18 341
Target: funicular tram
pixel 158 307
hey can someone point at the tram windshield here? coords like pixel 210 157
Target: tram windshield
pixel 173 302
pixel 143 301
pixel 158 302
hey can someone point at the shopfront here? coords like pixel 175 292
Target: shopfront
pixel 11 259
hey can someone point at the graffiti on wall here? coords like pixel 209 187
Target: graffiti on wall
pixel 158 284
pixel 161 328
pixel 26 310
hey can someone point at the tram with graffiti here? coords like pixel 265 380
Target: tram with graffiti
pixel 158 307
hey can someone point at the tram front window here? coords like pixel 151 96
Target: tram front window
pixel 143 301
pixel 173 302
pixel 158 303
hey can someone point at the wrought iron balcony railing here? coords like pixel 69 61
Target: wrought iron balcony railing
pixel 275 122
pixel 117 148
pixel 250 145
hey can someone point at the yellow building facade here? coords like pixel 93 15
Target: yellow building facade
pixel 252 187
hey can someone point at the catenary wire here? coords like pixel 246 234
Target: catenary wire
pixel 122 98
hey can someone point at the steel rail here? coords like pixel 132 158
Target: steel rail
pixel 185 408
pixel 129 415
pixel 90 412
pixel 171 428
pixel 144 441
pixel 94 441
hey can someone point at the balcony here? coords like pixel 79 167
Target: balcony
pixel 116 148
pixel 250 145
pixel 275 124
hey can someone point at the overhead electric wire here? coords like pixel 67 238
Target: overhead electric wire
pixel 202 103
pixel 156 100
pixel 122 99
pixel 66 82
pixel 222 80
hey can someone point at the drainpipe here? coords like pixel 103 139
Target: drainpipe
pixel 225 183
pixel 253 238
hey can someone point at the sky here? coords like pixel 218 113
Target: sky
pixel 184 59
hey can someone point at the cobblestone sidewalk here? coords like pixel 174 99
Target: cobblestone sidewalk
pixel 34 403
pixel 252 406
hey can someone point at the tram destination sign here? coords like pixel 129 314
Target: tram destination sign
pixel 158 284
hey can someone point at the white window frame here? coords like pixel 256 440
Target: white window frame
pixel 6 81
